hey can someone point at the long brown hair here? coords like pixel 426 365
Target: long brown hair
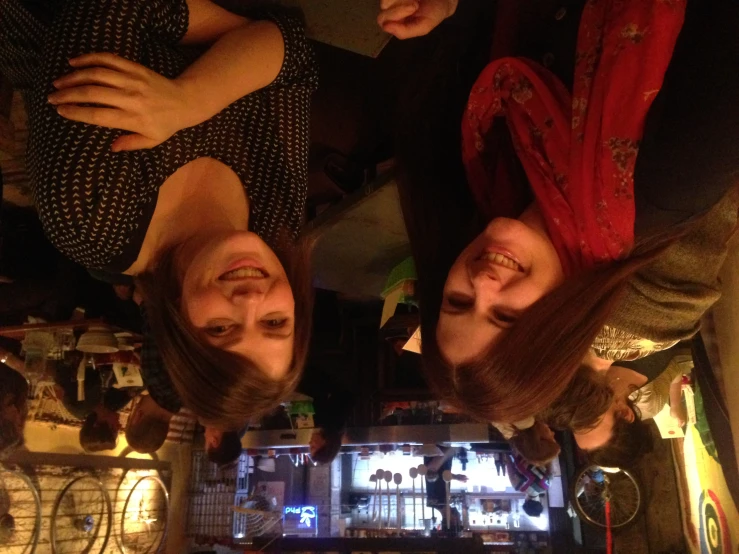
pixel 582 404
pixel 579 407
pixel 532 364
pixel 224 390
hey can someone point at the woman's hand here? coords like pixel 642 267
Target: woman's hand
pixel 413 18
pixel 125 95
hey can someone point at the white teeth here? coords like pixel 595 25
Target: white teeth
pixel 501 260
pixel 242 273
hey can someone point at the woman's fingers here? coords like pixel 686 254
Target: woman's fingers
pixel 111 61
pixel 94 76
pixel 112 97
pixel 409 28
pixel 102 117
pixel 397 12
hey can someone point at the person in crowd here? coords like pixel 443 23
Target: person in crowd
pixel 218 144
pixel 332 402
pixel 499 464
pixel 532 439
pixel 13 408
pixel 325 444
pixel 532 479
pixel 223 448
pixel 532 507
pixel 97 408
pixel 621 436
pixel 148 425
pixel 435 468
pixel 566 224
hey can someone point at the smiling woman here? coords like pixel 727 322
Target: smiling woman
pixel 506 269
pixel 236 339
pixel 575 192
pixel 188 175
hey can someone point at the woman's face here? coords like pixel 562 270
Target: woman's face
pixel 235 293
pixel 602 432
pixel 500 274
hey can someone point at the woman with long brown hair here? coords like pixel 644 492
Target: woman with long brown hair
pixel 190 176
pixel 616 171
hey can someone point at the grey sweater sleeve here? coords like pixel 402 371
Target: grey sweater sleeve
pixel 665 300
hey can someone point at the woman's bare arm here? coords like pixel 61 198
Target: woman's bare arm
pixel 246 56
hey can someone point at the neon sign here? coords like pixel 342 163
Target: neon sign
pixel 301 518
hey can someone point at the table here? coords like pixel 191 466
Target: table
pixel 360 240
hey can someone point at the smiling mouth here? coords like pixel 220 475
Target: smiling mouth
pixel 243 273
pixel 502 261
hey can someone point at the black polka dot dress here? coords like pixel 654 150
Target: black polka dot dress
pixel 95 205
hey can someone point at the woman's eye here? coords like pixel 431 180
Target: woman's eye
pixel 504 318
pixel 275 323
pixel 459 303
pixel 218 330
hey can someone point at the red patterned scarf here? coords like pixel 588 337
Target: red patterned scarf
pixel 578 150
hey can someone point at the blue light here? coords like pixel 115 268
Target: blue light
pixel 301 517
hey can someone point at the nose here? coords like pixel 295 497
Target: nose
pixel 482 273
pixel 250 290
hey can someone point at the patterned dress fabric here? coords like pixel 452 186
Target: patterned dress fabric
pixel 578 150
pixel 527 476
pixel 619 345
pixel 95 205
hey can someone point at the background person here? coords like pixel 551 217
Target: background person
pixel 531 479
pixel 223 448
pixel 13 408
pixel 147 426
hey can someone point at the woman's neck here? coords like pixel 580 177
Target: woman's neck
pixel 202 197
pixel 533 219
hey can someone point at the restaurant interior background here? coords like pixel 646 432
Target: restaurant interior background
pixel 373 497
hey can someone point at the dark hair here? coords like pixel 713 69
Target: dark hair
pixel 581 405
pixel 327 453
pixel 228 451
pixel 147 434
pixel 97 435
pixel 222 389
pixel 534 449
pixel 10 437
pixel 532 508
pixel 628 444
pixel 13 392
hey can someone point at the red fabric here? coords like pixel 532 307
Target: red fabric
pixel 578 150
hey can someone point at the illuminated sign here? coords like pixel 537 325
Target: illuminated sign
pixel 300 520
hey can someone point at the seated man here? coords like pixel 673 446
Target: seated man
pixel 332 404
pixel 148 425
pixel 13 408
pixel 98 410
